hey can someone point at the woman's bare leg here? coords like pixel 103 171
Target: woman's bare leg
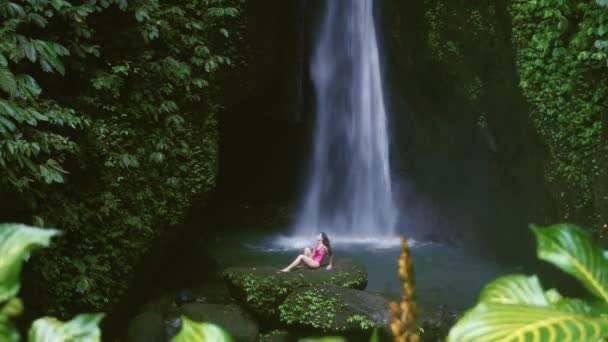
pixel 308 253
pixel 301 258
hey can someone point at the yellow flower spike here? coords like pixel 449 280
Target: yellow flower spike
pixel 403 315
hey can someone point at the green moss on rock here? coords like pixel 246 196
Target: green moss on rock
pixel 262 289
pixel 332 309
pixel 275 336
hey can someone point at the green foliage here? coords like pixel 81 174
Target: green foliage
pixel 573 251
pixel 561 61
pixel 83 328
pixel 199 332
pixel 34 132
pixel 312 307
pixel 16 242
pixel 119 130
pixel 364 322
pixel 517 308
pixel 264 290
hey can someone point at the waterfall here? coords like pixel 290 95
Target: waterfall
pixel 349 192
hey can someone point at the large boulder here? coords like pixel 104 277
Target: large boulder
pixel 262 289
pixel 335 310
pixel 239 324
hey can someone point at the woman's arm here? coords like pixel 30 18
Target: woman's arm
pixel 331 262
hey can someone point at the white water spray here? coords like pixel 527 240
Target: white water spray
pixel 349 193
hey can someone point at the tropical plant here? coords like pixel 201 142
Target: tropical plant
pixel 16 243
pixel 34 131
pixel 108 118
pixel 517 308
pixel 561 55
pixel 193 332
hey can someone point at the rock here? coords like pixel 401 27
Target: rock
pixel 276 336
pixel 184 296
pixel 146 327
pixel 237 322
pixel 437 324
pixel 262 290
pixel 335 310
pixel 160 305
pixel 208 293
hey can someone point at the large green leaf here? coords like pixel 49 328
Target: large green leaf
pixel 514 289
pixel 83 328
pixel 571 249
pixel 10 309
pixel 505 322
pixel 200 332
pixel 16 242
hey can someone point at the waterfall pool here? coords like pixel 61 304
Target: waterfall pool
pixel 444 275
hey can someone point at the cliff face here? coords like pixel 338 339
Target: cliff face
pixel 464 140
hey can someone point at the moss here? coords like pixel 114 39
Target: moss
pixel 262 290
pixel 364 322
pixel 332 309
pixel 274 336
pixel 312 306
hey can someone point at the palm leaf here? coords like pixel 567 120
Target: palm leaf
pixel 571 249
pixel 200 332
pixel 526 323
pixel 83 328
pixel 16 242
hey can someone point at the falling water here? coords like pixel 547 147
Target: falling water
pixel 349 192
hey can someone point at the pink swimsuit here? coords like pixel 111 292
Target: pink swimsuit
pixel 318 254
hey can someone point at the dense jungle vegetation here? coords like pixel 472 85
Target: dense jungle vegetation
pixel 110 113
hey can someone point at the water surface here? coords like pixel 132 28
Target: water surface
pixel 444 275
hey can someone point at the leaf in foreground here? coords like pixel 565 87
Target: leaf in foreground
pixel 571 249
pixel 504 322
pixel 16 242
pixel 200 332
pixel 515 289
pixel 83 328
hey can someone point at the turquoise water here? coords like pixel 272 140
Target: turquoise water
pixel 444 275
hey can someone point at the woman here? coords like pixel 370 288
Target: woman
pixel 314 259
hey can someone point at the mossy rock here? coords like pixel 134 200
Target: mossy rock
pixel 276 336
pixel 262 289
pixel 335 310
pixel 239 324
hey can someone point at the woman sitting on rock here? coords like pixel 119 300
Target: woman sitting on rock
pixel 314 259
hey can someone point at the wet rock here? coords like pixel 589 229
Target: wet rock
pixel 239 324
pixel 184 296
pixel 146 327
pixel 262 289
pixel 437 324
pixel 335 310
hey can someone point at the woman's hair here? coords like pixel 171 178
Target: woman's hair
pixel 326 243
